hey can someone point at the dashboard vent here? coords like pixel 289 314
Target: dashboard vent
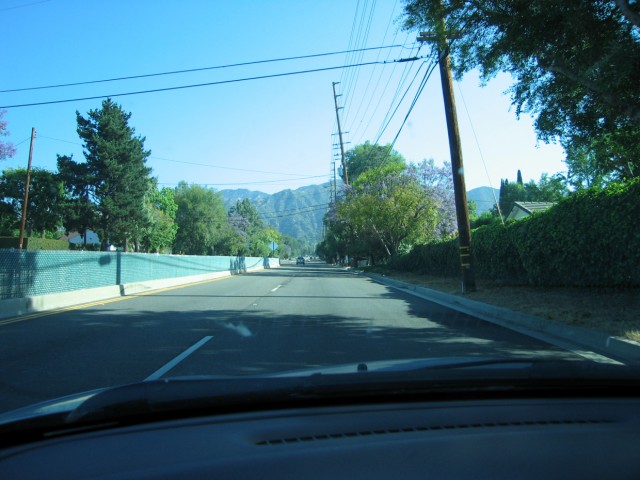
pixel 391 431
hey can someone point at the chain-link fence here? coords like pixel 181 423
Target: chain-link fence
pixel 25 273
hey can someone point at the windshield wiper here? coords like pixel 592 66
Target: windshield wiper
pixel 239 393
pixel 460 379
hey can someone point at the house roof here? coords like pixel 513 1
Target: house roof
pixel 527 208
pixel 531 207
pixel 92 237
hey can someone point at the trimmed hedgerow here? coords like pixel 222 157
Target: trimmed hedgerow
pixel 591 238
pixel 34 243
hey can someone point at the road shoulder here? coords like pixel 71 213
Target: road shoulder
pixel 566 336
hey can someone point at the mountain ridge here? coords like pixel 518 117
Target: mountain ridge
pixel 299 212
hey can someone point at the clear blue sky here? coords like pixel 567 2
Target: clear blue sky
pixel 268 134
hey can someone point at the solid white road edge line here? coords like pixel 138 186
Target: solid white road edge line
pixel 168 366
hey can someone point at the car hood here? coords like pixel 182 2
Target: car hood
pixel 212 393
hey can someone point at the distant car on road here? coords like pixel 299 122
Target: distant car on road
pixel 300 261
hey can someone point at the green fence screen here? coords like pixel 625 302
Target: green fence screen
pixel 25 273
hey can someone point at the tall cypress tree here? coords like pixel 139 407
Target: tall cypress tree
pixel 119 178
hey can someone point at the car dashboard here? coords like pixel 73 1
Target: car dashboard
pixel 486 438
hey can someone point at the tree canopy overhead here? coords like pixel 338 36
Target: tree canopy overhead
pixel 575 64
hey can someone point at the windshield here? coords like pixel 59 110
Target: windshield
pixel 254 189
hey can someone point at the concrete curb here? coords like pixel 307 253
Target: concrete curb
pixel 566 336
pixel 15 307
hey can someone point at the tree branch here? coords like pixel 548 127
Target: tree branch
pixel 628 12
pixel 384 244
pixel 631 111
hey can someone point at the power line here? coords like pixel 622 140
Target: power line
pixel 231 168
pixel 484 164
pixel 302 211
pixel 356 73
pixel 404 75
pixel 21 142
pixel 285 181
pixel 297 209
pixel 423 83
pixel 390 115
pixel 403 79
pixel 23 5
pixel 366 91
pixel 299 176
pixel 201 69
pixel 220 82
pixel 60 140
pixel 350 45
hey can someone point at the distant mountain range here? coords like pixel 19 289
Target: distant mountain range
pixel 483 198
pixel 299 212
pixel 293 212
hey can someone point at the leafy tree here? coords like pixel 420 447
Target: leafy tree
pixel 472 208
pixel 80 213
pixel 8 223
pixel 246 224
pixel 510 193
pixel 115 179
pixel 387 210
pixel 230 241
pixel 253 236
pixel 7 150
pixel 438 186
pixel 367 156
pixel 245 209
pixel 550 188
pixel 261 242
pixel 486 218
pixel 338 240
pixel 161 229
pixel 575 64
pixel 289 247
pixel 201 220
pixel 46 197
pixel 584 168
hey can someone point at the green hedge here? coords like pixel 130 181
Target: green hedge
pixel 438 258
pixel 496 254
pixel 34 243
pixel 8 242
pixel 591 238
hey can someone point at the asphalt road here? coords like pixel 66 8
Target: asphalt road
pixel 290 318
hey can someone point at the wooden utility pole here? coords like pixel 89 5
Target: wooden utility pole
pixel 457 167
pixel 334 187
pixel 26 191
pixel 345 174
